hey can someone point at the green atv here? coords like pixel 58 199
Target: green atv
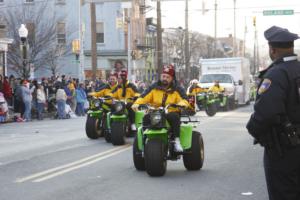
pixel 153 145
pixel 95 125
pixel 207 101
pixel 118 123
pixel 222 101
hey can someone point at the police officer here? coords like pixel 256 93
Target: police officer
pixel 276 115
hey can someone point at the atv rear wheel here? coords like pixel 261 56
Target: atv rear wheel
pixel 92 127
pixel 155 157
pixel 211 109
pixel 138 160
pixel 118 131
pixel 194 160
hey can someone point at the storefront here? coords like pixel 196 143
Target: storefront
pixel 3 55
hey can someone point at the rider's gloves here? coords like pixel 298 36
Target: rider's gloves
pixel 135 107
pixel 181 103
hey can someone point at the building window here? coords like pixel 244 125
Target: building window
pixel 99 32
pixel 1 1
pixel 61 33
pixel 61 2
pixel 29 1
pixel 31 31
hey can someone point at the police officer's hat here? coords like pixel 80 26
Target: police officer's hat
pixel 280 37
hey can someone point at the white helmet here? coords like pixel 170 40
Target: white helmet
pixel 194 81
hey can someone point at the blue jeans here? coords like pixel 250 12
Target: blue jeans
pixel 27 113
pixel 80 109
pixel 40 109
pixel 61 104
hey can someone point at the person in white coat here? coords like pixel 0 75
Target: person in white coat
pixel 41 101
pixel 61 98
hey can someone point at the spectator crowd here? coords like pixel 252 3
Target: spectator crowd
pixel 56 97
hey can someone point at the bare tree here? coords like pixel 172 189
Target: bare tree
pixel 42 38
pixel 201 46
pixel 54 55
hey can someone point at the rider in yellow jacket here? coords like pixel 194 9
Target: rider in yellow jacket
pixel 216 88
pixel 107 88
pixel 194 88
pixel 162 93
pixel 126 91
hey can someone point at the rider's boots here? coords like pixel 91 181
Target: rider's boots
pixel 177 146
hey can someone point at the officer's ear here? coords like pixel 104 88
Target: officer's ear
pixel 272 50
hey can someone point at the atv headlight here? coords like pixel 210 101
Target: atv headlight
pixel 155 119
pixel 118 107
pixel 97 103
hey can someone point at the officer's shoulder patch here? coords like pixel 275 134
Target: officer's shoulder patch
pixel 265 85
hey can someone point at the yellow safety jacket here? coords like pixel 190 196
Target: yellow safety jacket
pixel 104 91
pixel 193 90
pixel 125 91
pixel 157 96
pixel 216 89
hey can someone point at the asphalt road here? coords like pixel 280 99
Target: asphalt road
pixel 53 159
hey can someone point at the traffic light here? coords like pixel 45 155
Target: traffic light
pixel 254 21
pixel 75 46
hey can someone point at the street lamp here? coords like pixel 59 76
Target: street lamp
pixel 23 33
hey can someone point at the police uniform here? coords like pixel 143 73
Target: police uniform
pixel 278 104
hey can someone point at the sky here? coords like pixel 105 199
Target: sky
pixel 173 16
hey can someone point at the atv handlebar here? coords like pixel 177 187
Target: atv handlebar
pixel 147 107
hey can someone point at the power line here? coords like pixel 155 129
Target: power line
pixel 239 8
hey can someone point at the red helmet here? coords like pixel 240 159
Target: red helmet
pixel 169 69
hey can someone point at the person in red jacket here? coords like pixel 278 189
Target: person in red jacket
pixel 7 91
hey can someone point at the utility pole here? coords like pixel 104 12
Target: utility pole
pixel 81 75
pixel 93 40
pixel 186 42
pixel 245 34
pixel 215 36
pixel 234 30
pixel 255 46
pixel 159 47
pixel 129 61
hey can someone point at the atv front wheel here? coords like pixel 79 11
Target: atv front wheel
pixel 211 109
pixel 118 132
pixel 194 160
pixel 92 127
pixel 138 160
pixel 155 157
